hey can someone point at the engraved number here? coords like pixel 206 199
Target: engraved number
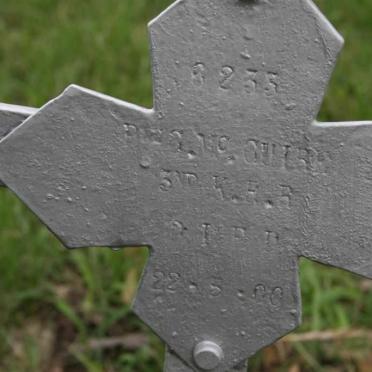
pixel 226 76
pixel 271 87
pixel 166 183
pixel 272 296
pixel 253 81
pixel 250 82
pixel 158 280
pixel 165 283
pixel 198 74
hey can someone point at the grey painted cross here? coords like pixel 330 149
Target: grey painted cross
pixel 229 179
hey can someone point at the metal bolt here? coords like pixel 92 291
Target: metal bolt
pixel 207 355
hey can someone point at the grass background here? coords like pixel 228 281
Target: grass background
pixel 52 299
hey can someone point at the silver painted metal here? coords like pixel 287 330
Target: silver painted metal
pixel 229 178
pixel 10 117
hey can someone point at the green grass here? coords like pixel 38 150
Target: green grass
pixel 51 297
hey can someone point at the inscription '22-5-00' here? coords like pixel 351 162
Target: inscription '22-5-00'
pixel 168 283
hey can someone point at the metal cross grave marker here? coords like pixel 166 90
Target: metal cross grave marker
pixel 229 179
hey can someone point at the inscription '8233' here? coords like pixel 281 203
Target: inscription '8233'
pixel 168 283
pixel 251 80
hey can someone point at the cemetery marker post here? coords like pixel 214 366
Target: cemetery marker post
pixel 229 179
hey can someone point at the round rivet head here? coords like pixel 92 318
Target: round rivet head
pixel 207 355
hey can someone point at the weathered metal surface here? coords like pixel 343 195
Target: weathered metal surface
pixel 229 178
pixel 10 117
